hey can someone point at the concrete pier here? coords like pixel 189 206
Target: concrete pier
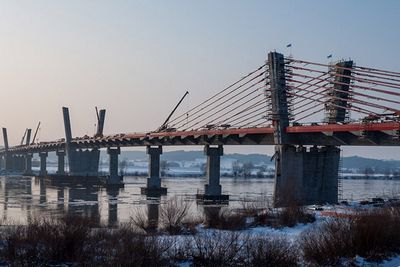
pixel 301 176
pixel 113 178
pixel 61 162
pixel 212 190
pixel 306 176
pixel 43 163
pixel 154 180
pixel 28 164
pixel 81 162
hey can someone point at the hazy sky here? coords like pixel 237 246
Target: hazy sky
pixel 137 58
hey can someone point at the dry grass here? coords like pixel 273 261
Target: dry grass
pixel 173 213
pixel 376 233
pixel 140 220
pixel 47 239
pixel 271 251
pixel 264 214
pixel 371 234
pixel 224 219
pixel 73 239
pixel 82 241
pixel 216 249
pixel 253 207
pixel 291 215
pixel 221 248
pixel 326 244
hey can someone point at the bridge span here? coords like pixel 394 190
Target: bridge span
pixel 306 110
pixel 360 134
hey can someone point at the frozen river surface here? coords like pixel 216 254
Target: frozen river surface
pixel 26 197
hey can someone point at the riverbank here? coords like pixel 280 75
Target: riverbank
pixel 255 235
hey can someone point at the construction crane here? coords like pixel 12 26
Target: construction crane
pixel 164 126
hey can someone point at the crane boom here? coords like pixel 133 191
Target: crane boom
pixel 164 125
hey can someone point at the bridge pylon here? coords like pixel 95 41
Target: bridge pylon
pixel 81 162
pixel 304 175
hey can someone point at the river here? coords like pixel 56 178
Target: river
pixel 22 198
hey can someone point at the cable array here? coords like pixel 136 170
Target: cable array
pixel 241 104
pixel 333 93
pixel 321 91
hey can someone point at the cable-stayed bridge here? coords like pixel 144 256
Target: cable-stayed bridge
pixel 307 110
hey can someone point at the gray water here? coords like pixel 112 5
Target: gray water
pixel 22 198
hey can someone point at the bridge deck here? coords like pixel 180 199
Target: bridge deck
pixel 356 134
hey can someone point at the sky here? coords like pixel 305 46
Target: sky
pixel 137 58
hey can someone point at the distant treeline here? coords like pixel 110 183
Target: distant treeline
pixel 360 163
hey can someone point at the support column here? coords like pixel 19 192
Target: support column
pixel 154 180
pixel 213 188
pixel 61 162
pixel 113 178
pixel 43 158
pixel 28 164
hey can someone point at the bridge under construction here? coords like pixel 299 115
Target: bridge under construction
pixel 306 110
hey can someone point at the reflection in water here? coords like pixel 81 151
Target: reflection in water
pixel 112 193
pixel 211 212
pixel 153 212
pixel 60 198
pixel 23 198
pixel 84 201
pixel 42 189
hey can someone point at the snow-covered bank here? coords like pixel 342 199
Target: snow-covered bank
pixel 45 241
